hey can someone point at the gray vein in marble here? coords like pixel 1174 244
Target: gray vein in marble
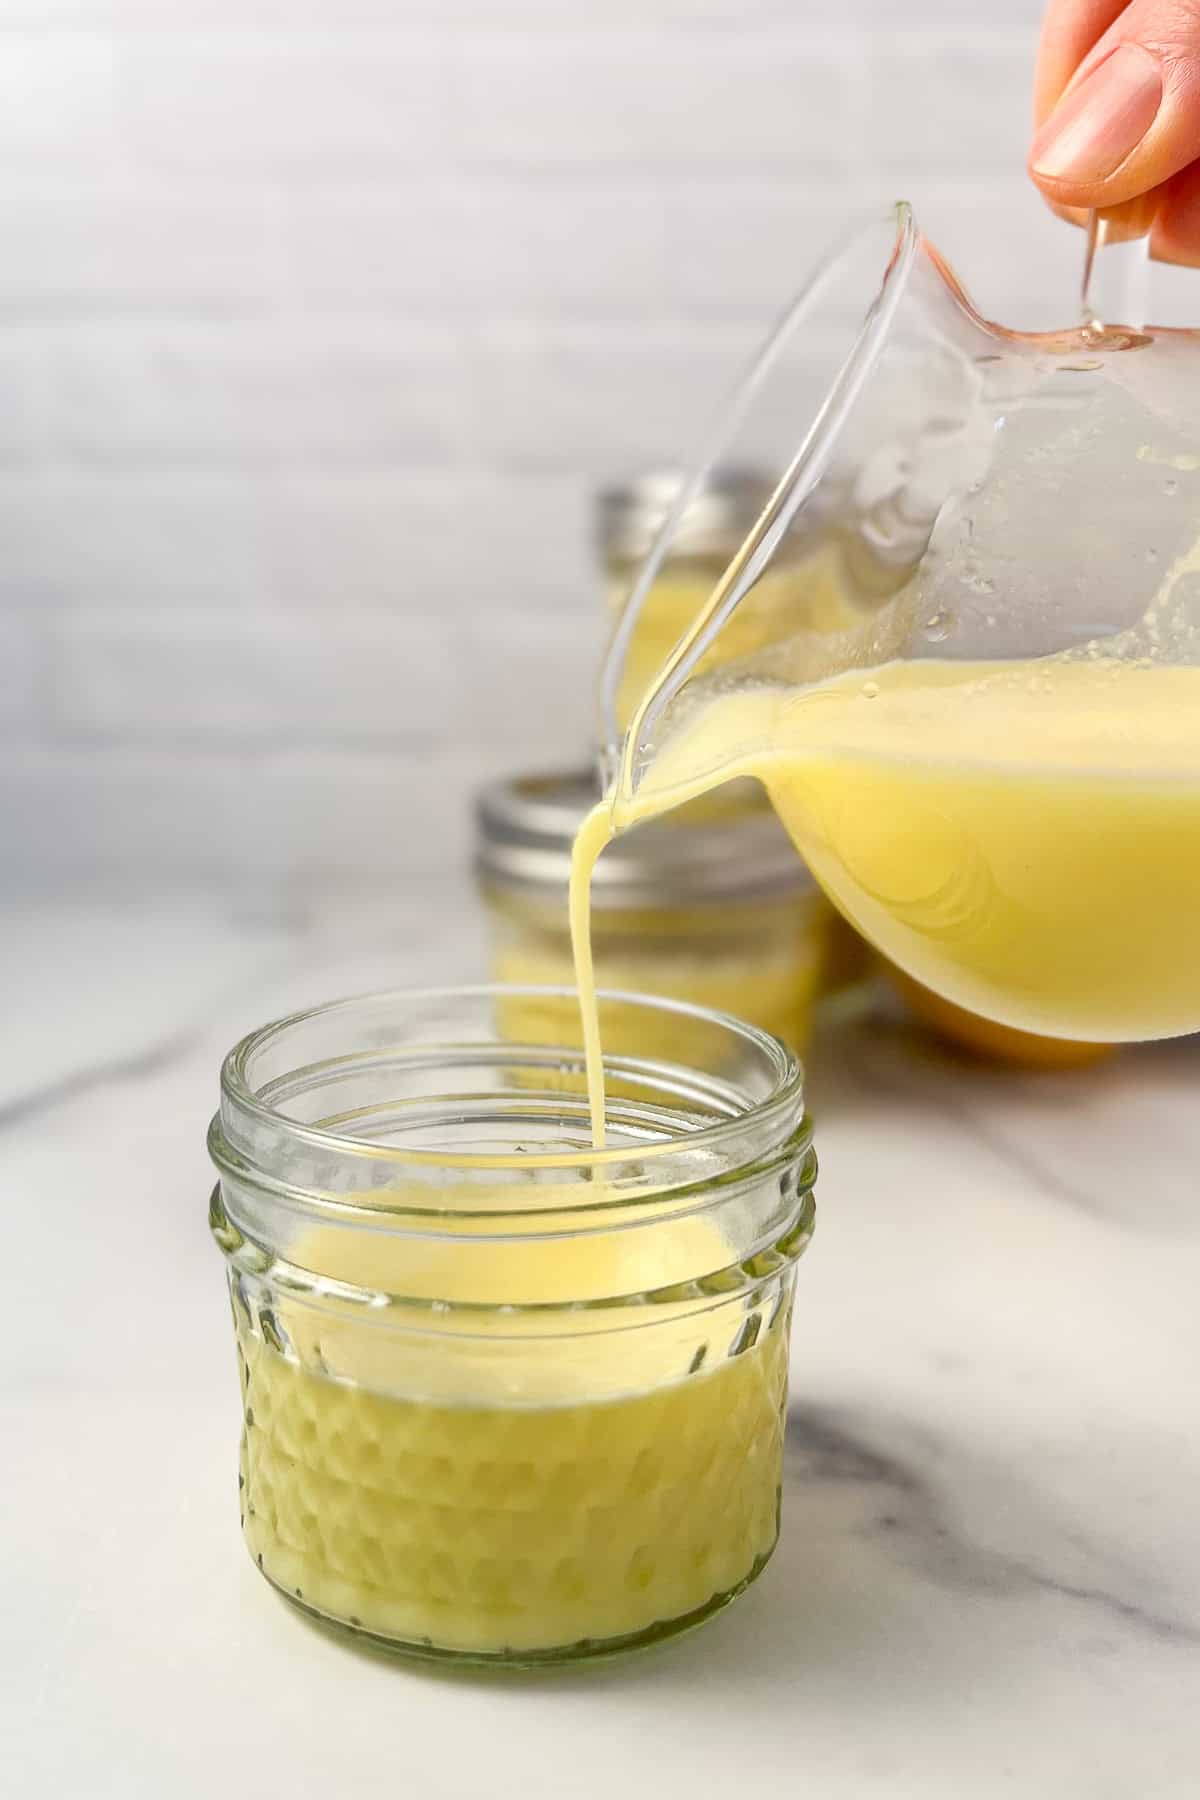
pixel 829 1446
pixel 163 1051
pixel 140 1065
pixel 1021 1160
pixel 911 1079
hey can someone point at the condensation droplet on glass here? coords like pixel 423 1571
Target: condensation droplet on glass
pixel 1151 554
pixel 870 690
pixel 1170 485
pixel 990 621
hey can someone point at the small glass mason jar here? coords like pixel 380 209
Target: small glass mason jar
pixel 805 584
pixel 711 905
pixel 507 1398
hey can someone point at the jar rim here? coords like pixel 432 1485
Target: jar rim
pixel 245 1112
pixel 629 514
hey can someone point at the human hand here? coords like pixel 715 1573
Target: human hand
pixel 1117 116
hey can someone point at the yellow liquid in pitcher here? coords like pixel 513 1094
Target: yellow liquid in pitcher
pixel 508 1488
pixel 1021 837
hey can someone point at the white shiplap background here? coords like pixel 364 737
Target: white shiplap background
pixel 321 319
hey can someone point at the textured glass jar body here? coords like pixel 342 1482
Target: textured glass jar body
pixel 807 587
pixel 507 1398
pixel 764 959
pixel 805 584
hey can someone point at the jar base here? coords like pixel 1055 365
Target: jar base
pixel 587 1650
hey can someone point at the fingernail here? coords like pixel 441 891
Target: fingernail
pixel 1093 129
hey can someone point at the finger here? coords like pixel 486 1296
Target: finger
pixel 1176 234
pixel 1070 30
pixel 1120 222
pixel 1130 119
pixel 1128 218
pixel 1074 215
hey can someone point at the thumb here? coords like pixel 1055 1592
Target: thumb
pixel 1130 118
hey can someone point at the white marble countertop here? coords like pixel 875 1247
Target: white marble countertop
pixel 989 1581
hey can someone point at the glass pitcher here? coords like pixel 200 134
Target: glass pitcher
pixel 989 750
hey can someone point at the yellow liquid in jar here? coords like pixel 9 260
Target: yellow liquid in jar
pixel 1023 837
pixel 766 969
pixel 516 1492
pixel 776 994
pixel 812 589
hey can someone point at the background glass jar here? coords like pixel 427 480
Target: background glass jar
pixel 507 1398
pixel 815 582
pixel 711 905
pixel 805 585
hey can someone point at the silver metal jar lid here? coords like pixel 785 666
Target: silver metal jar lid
pixel 628 517
pixel 525 828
